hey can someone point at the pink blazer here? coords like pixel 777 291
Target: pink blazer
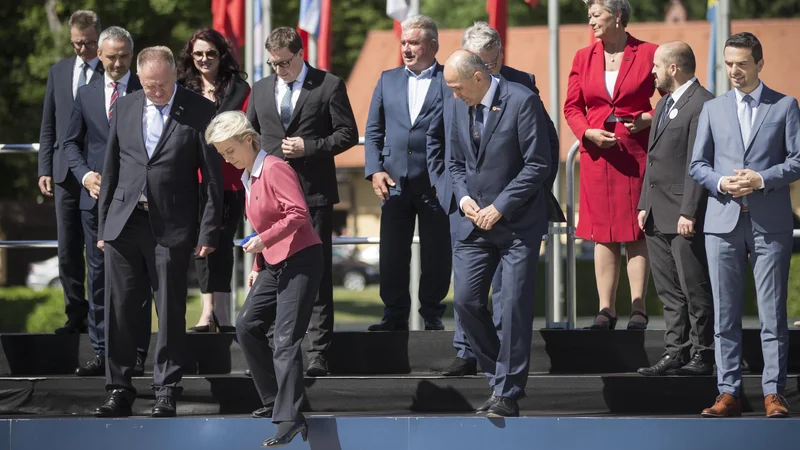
pixel 277 211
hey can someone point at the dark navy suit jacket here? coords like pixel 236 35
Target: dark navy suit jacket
pixel 392 143
pixel 510 167
pixel 87 135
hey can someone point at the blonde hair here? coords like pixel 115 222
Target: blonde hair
pixel 231 125
pixel 153 55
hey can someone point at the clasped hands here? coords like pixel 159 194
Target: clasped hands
pixel 483 218
pixel 744 183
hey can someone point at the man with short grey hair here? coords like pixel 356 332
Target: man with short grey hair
pixel 151 221
pixel 404 102
pixel 55 178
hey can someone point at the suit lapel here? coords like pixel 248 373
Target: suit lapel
pixel 402 88
pixel 432 93
pixel 269 100
pixel 462 117
pixel 763 110
pixel 493 115
pixel 97 101
pixel 175 111
pixel 133 85
pixel 137 123
pixel 309 83
pixel 628 58
pixel 676 107
pixel 98 73
pixel 655 131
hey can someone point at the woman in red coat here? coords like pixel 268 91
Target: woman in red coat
pixel 608 109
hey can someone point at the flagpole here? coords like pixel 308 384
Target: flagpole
pixel 312 50
pixel 722 84
pixel 556 300
pixel 266 29
pixel 248 39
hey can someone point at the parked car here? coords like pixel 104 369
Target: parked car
pixel 353 274
pixel 43 274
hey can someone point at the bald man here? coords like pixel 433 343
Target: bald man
pixel 671 211
pixel 499 162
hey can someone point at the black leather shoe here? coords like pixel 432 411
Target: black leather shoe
pixel 487 404
pixel 74 327
pixel 164 407
pixel 285 433
pixel 138 369
pixel 389 325
pixel 503 407
pixel 434 324
pixel 226 329
pixel 317 367
pixel 696 367
pixel 93 368
pixel 116 405
pixel 248 374
pixel 667 365
pixel 460 367
pixel 265 412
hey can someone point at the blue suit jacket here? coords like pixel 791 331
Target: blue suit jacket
pixel 56 113
pixel 392 143
pixel 87 135
pixel 509 168
pixel 773 152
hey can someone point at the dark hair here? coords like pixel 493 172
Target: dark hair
pixel 284 37
pixel 84 19
pixel 746 40
pixel 190 77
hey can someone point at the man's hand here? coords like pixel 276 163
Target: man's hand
pixel 601 138
pixel 381 181
pixel 101 245
pixel 293 147
pixel 747 181
pixel 471 210
pixel 487 217
pixel 46 185
pixel 252 278
pixel 641 217
pixel 92 184
pixel 202 251
pixel 686 226
pixel 641 122
pixel 254 245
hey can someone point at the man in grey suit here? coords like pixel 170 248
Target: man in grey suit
pixel 499 162
pixel 671 210
pixel 746 154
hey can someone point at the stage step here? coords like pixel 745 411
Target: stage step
pixel 546 393
pixel 365 353
pixel 405 433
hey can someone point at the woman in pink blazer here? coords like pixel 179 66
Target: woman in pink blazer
pixel 285 276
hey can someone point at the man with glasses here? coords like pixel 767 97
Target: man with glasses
pixel 304 116
pixel 55 178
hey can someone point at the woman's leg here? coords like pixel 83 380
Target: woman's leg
pixel 638 273
pixel 606 272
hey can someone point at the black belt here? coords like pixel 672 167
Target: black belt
pixel 142 206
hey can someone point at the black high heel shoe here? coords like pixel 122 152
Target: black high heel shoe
pixel 610 324
pixel 286 432
pixel 210 328
pixel 637 325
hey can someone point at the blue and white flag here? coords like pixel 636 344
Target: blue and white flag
pixel 310 12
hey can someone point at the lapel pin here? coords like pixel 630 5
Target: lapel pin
pixel 495 108
pixel 628 58
pixel 673 114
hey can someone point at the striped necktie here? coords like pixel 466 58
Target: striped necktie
pixel 114 96
pixel 286 106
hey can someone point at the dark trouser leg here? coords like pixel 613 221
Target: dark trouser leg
pixel 253 325
pixel 397 232
pixel 690 256
pixel 95 282
pixel 320 329
pixel 71 267
pixel 668 286
pixel 435 255
pixel 460 342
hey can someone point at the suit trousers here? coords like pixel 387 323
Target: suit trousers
pixel 320 327
pixel 476 260
pixel 280 304
pixel 769 255
pixel 398 216
pixel 71 266
pixel 680 274
pixel 135 263
pixel 95 282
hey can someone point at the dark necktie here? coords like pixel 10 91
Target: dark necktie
pixel 286 106
pixel 82 76
pixel 476 128
pixel 665 112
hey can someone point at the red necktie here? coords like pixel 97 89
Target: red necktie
pixel 114 96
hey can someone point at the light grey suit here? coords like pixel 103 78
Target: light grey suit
pixel 765 232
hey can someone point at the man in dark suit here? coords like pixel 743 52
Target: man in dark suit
pixel 404 102
pixel 304 116
pixel 671 211
pixel 148 223
pixel 55 178
pixel 484 41
pixel 499 162
pixel 85 149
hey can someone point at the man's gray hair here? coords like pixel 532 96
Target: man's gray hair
pixel 468 64
pixel 154 55
pixel 115 34
pixel 424 23
pixel 83 19
pixel 615 7
pixel 480 37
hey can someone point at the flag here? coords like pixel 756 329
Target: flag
pixel 228 19
pixel 711 16
pixel 498 18
pixel 310 16
pixel 325 40
pixel 258 42
pixel 399 10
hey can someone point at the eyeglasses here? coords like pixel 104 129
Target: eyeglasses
pixel 87 44
pixel 209 54
pixel 493 64
pixel 282 64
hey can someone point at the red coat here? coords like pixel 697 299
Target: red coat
pixel 610 179
pixel 276 208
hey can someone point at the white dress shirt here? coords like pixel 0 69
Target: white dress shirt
pixel 122 86
pixel 149 111
pixel 680 91
pixel 76 73
pixel 258 164
pixel 487 106
pixel 418 89
pixel 297 86
pixel 756 95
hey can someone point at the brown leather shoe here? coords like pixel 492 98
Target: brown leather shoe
pixel 725 406
pixel 776 406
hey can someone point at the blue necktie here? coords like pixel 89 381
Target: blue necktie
pixel 477 126
pixel 665 112
pixel 154 128
pixel 746 124
pixel 286 106
pixel 82 76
